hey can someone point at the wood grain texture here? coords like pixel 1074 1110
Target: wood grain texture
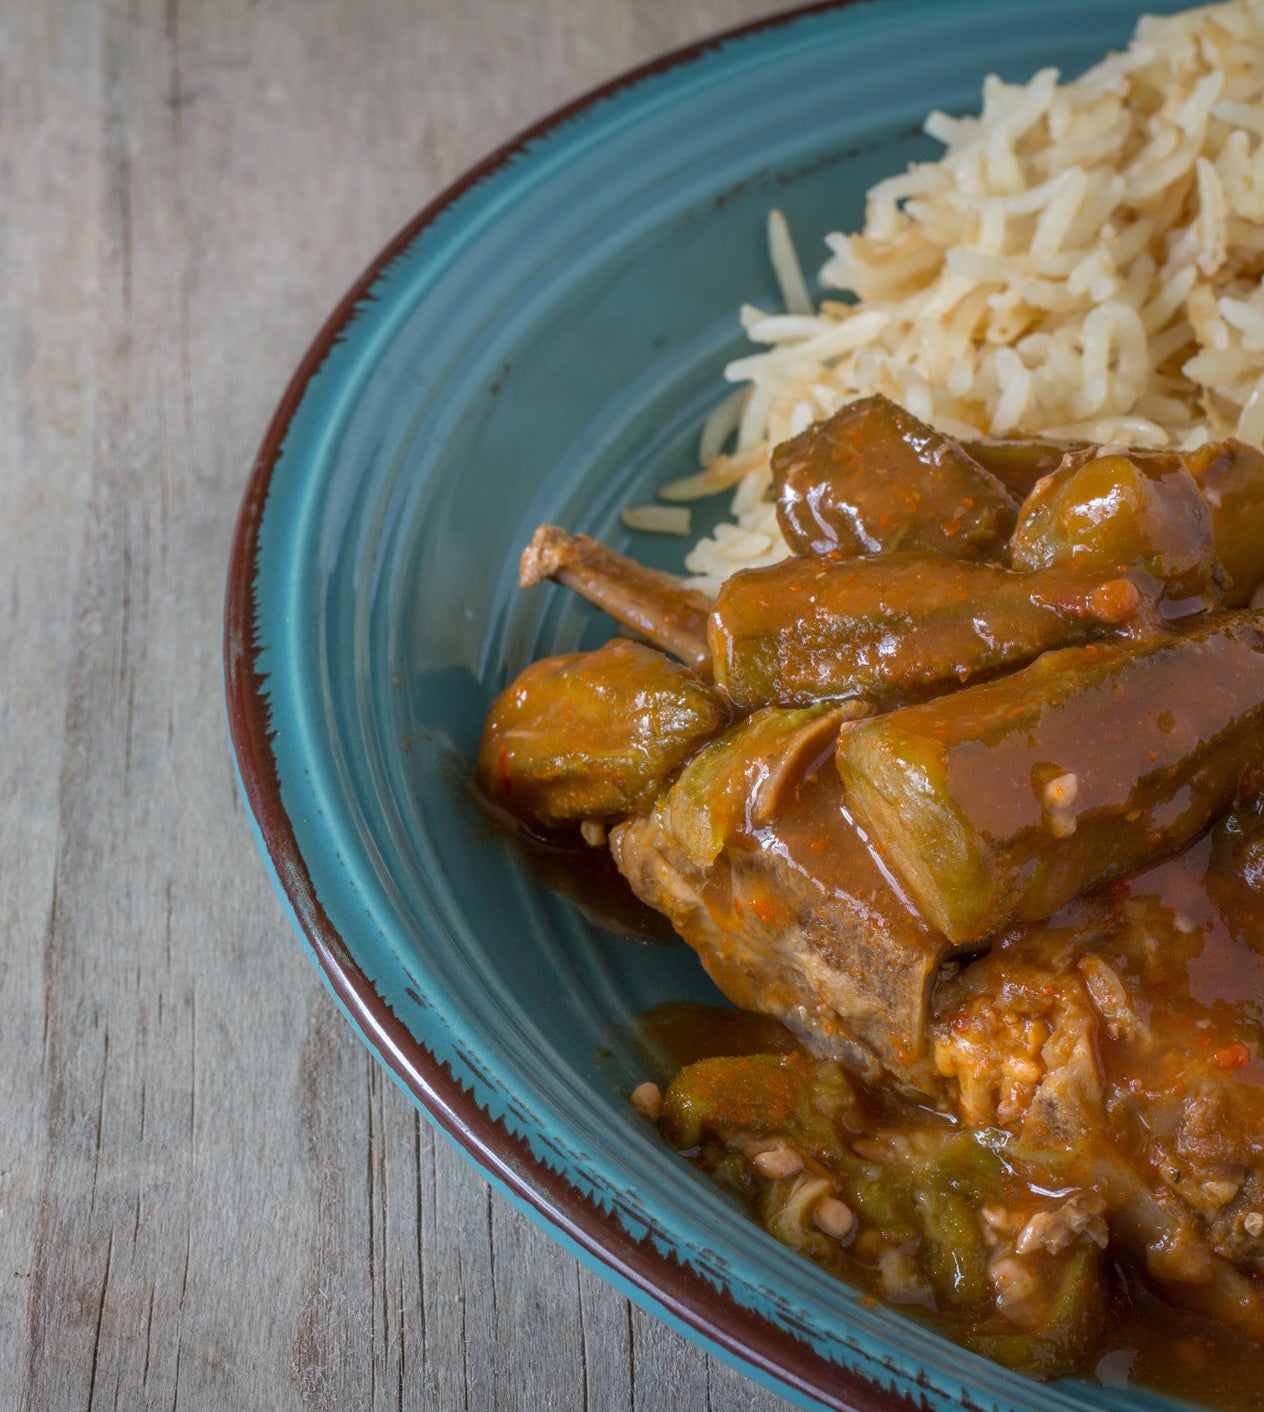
pixel 210 1197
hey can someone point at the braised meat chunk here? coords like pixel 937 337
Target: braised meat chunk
pixel 1123 1035
pixel 874 478
pixel 752 857
pixel 663 610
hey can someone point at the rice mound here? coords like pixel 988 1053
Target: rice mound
pixel 1084 260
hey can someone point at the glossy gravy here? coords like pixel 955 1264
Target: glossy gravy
pixel 1189 935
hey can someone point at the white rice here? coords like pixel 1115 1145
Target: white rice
pixel 658 519
pixel 1084 260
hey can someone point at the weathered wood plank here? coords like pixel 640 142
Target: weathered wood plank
pixel 46 428
pixel 209 1195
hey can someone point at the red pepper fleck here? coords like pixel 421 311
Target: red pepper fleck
pixel 1114 601
pixel 762 908
pixel 818 845
pixel 1232 1056
pixel 745 1095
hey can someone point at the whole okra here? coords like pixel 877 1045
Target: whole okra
pixel 1008 799
pixel 897 625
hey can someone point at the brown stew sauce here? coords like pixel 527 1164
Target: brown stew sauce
pixel 1212 988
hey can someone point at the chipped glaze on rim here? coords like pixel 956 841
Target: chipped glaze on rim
pixel 777 1354
pixel 787 1362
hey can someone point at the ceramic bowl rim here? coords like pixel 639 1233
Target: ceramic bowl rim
pixel 714 1316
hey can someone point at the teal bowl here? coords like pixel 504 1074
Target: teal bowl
pixel 543 342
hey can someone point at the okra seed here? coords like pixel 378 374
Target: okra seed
pixel 647 1099
pixel 834 1218
pixel 777 1162
pixel 1060 793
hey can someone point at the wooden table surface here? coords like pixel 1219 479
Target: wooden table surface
pixel 210 1196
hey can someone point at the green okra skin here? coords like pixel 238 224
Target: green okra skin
pixel 1230 475
pixel 873 478
pixel 734 780
pixel 884 1199
pixel 1234 877
pixel 1069 1328
pixel 790 1096
pixel 1008 799
pixel 593 735
pixel 895 626
pixel 1142 515
pixel 949 1186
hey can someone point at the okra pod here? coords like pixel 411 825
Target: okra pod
pixel 1122 513
pixel 896 625
pixel 593 735
pixel 1072 1321
pixel 1231 477
pixel 760 1095
pixel 1010 798
pixel 736 781
pixel 953 1254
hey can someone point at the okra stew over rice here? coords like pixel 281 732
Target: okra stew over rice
pixel 949 760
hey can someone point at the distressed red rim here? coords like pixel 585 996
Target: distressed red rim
pixel 685 1294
